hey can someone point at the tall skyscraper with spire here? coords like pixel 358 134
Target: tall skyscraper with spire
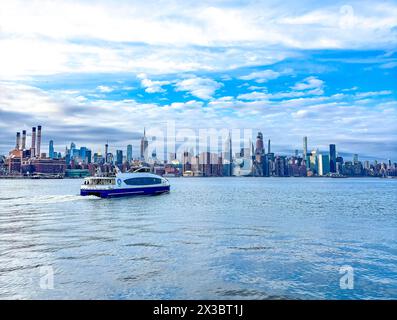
pixel 106 153
pixel 144 146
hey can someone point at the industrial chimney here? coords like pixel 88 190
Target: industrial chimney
pixel 18 143
pixel 38 141
pixel 23 139
pixel 33 148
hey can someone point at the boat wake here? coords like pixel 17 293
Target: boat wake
pixel 61 198
pixel 50 199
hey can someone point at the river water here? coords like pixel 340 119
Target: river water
pixel 210 238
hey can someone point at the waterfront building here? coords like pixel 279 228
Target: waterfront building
pixel 129 153
pixel 119 157
pixel 77 155
pixel 77 173
pixel 186 162
pixel 313 162
pixel 88 156
pixel 339 164
pixel 281 168
pixel 332 158
pixel 51 149
pixel 82 154
pixel 45 166
pixel 323 164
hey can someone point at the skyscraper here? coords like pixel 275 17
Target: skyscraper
pixel 312 162
pixel 304 147
pixel 129 153
pixel 260 163
pixel 323 164
pixel 51 149
pixel 355 158
pixel 259 148
pixel 144 146
pixel 106 153
pixel 89 156
pixel 268 146
pixel 332 158
pixel 119 157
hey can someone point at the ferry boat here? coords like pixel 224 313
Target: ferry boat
pixel 137 182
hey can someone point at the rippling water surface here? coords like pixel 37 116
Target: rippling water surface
pixel 210 238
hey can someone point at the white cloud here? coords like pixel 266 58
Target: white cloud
pixel 262 76
pixel 203 88
pixel 285 120
pixel 308 83
pixel 152 86
pixel 105 89
pixel 350 89
pixel 52 37
pixel 253 96
pixel 373 93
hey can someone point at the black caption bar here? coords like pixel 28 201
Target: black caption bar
pixel 196 309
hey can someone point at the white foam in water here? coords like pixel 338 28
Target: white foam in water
pixel 61 198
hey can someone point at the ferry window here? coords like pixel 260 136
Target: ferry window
pixel 142 181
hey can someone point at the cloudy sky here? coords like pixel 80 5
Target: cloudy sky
pixel 91 71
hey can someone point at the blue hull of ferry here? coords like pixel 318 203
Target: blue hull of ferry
pixel 116 193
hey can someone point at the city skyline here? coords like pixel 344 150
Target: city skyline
pixel 211 159
pixel 326 71
pixel 134 150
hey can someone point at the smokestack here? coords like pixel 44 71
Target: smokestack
pixel 33 148
pixel 23 139
pixel 38 141
pixel 18 143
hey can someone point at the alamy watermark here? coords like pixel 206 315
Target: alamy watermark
pixel 204 142
pixel 46 281
pixel 346 281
